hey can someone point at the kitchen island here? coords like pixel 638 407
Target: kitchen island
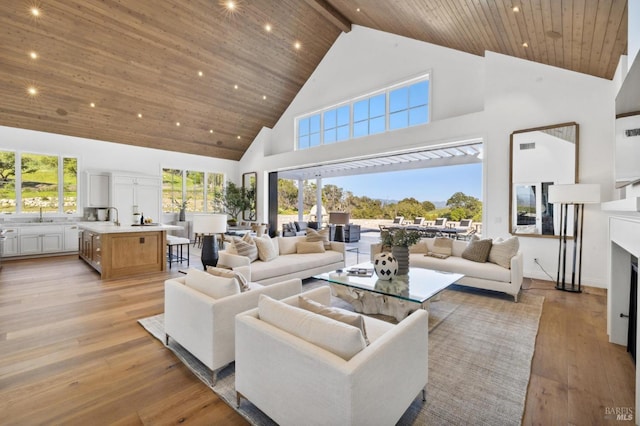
pixel 123 251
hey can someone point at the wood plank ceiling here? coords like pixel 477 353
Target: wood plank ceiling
pixel 128 71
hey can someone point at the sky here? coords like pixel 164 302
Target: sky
pixel 432 184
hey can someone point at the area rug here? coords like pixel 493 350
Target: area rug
pixel 480 351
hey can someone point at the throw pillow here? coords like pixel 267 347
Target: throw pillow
pixel 231 247
pixel 228 273
pixel 306 247
pixel 443 246
pixel 351 318
pixel 287 245
pixel 503 250
pixel 419 247
pixel 266 248
pixel 322 235
pixel 246 249
pixel 477 250
pixel 211 285
pixel 334 336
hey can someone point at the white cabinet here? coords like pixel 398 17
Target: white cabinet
pixel 11 247
pixel 98 189
pixel 41 239
pixel 141 191
pixel 71 242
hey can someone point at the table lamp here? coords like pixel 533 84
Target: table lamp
pixel 208 225
pixel 339 219
pixel 578 195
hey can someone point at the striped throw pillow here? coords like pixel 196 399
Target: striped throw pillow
pixel 322 235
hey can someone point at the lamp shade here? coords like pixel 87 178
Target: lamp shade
pixel 339 218
pixel 210 223
pixel 578 193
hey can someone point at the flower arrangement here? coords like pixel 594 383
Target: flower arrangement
pixel 399 238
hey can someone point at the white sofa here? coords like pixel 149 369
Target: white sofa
pixel 206 326
pixel 488 276
pixel 296 382
pixel 288 264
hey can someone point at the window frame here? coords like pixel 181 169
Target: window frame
pixel 186 190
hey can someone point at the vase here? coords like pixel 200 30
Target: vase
pixel 402 257
pixel 181 215
pixel 385 266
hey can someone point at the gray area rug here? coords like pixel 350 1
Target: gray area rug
pixel 480 351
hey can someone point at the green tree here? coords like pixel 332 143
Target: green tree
pixel 232 199
pixel 332 198
pixel 287 195
pixel 428 206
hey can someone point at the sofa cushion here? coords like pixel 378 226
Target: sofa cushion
pixel 245 249
pixel 267 249
pixel 334 336
pixel 419 247
pixel 306 247
pixel 443 246
pixel 322 235
pixel 211 285
pixel 292 263
pixel 456 264
pixel 347 317
pixel 477 250
pixel 503 250
pixel 228 273
pixel 300 226
pixel 287 245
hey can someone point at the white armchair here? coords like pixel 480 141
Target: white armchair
pixel 206 326
pixel 296 382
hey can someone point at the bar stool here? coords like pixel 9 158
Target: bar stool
pixel 179 243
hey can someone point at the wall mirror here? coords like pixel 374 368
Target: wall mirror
pixel 540 157
pixel 249 188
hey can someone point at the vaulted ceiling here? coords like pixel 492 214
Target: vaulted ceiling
pixel 204 76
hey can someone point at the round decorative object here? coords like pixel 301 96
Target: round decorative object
pixel 385 265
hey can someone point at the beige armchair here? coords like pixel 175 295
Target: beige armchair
pixel 297 382
pixel 206 326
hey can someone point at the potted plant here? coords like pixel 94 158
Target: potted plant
pixel 232 199
pixel 182 205
pixel 398 241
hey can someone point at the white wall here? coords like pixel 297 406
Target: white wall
pixel 98 155
pixel 473 97
pixel 521 95
pixel 633 42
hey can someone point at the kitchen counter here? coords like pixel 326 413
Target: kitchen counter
pixel 124 251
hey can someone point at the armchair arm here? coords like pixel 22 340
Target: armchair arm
pixel 339 247
pixel 232 260
pixel 517 266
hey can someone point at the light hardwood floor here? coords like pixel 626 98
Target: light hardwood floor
pixel 71 352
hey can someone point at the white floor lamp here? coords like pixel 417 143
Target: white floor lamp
pixel 577 195
pixel 208 225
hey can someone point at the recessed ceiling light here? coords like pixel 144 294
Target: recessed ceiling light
pixel 178 123
pixel 33 55
pixel 267 28
pixel 264 97
pixel 516 9
pixel 139 115
pixel 235 86
pixel 32 90
pixel 35 11
pixel 297 45
pixel 92 105
pixel 200 73
pixel 238 136
pixel 230 4
pixel 525 44
pixel 210 130
pixel 358 10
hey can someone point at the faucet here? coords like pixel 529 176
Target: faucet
pixel 116 222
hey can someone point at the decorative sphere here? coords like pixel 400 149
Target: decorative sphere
pixel 385 265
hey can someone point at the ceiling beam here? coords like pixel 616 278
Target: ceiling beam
pixel 331 14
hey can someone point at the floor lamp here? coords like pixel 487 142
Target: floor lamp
pixel 339 219
pixel 208 225
pixel 576 195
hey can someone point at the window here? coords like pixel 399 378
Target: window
pixel 408 105
pixel 193 187
pixel 309 131
pixel 215 184
pixel 336 124
pixel 41 182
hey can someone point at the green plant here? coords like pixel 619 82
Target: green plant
pixel 399 237
pixel 233 200
pixel 182 205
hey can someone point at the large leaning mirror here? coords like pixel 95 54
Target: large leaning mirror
pixel 540 157
pixel 249 188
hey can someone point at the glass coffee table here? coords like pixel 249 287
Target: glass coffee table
pixel 397 298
